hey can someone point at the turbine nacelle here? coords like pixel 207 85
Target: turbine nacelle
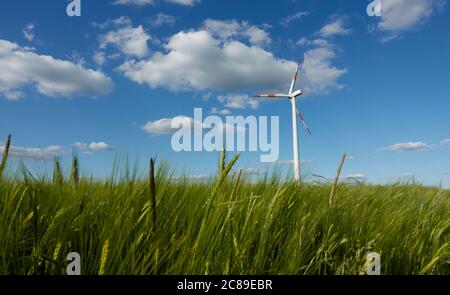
pixel 295 94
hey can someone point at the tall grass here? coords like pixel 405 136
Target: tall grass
pixel 230 225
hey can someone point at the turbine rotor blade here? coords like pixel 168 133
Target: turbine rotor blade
pixel 294 78
pixel 272 95
pixel 303 121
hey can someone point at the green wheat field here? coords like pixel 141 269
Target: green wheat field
pixel 134 224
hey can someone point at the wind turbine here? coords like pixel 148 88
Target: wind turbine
pixel 292 96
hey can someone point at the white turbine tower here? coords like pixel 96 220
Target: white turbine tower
pixel 292 96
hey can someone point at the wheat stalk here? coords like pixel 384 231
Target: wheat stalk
pixel 336 179
pixel 152 195
pixel 222 160
pixel 5 155
pixel 57 250
pixel 57 174
pixel 225 169
pixel 104 258
pixel 75 174
pixel 236 184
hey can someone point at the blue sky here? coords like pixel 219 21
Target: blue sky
pixel 375 87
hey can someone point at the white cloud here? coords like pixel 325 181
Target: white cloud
pixel 28 32
pixel 227 29
pixel 80 145
pixel 184 2
pixel 287 20
pixel 130 40
pixel 318 73
pixel 400 15
pixel 407 147
pixel 122 21
pixel 319 42
pixel 207 96
pixel 134 2
pixel 336 27
pixel 99 146
pixel 223 29
pixel 90 148
pixel 257 36
pixel 162 19
pixel 223 112
pixel 52 77
pixel 355 177
pixel 303 41
pixel 51 152
pixel 45 154
pixel 193 177
pixel 387 39
pixel 445 142
pixel 164 126
pixel 150 2
pixel 196 60
pixel 99 58
pixel 238 101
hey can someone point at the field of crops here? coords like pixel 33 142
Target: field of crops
pixel 227 225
